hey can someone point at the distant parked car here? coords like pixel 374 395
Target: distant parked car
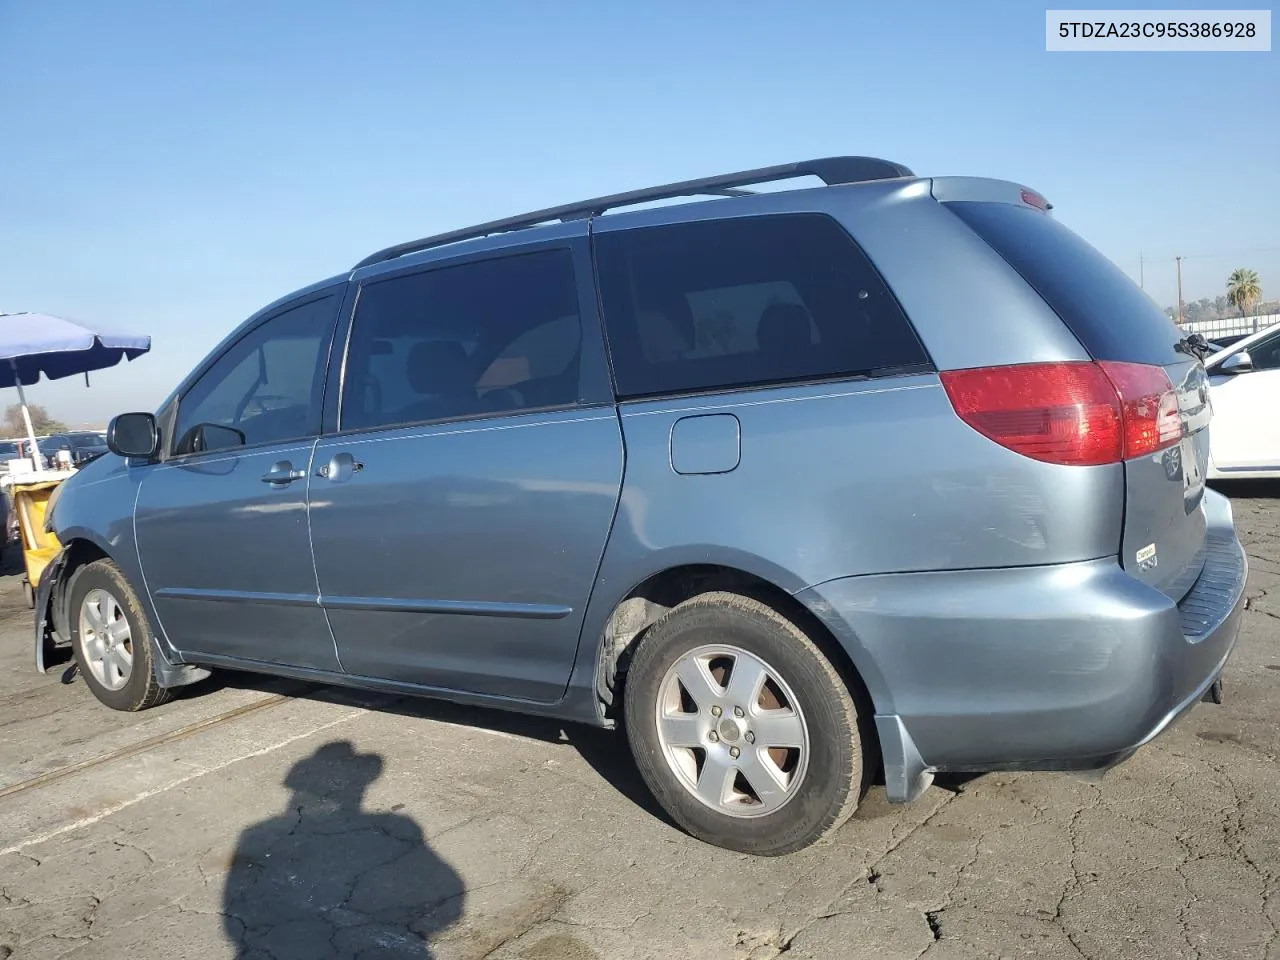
pixel 1244 388
pixel 23 446
pixel 897 473
pixel 84 447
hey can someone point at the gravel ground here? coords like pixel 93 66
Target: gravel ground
pixel 273 820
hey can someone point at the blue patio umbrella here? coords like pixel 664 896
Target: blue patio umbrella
pixel 32 344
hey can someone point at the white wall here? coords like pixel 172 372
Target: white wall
pixel 1231 326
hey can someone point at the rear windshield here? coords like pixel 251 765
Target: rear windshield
pixel 1109 314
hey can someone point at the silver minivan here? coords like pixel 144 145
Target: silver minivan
pixel 889 476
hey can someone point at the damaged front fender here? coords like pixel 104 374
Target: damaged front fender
pixel 53 628
pixel 49 594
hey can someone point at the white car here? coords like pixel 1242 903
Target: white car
pixel 1244 388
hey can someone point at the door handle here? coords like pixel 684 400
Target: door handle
pixel 340 467
pixel 282 473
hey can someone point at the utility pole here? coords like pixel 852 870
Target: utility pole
pixel 1179 259
pixel 1142 271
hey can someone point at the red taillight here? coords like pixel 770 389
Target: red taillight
pixel 1152 420
pixel 1077 413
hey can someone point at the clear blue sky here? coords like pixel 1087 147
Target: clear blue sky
pixel 169 167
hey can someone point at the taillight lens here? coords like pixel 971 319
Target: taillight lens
pixel 1152 420
pixel 1076 413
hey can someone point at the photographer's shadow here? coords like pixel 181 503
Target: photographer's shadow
pixel 326 879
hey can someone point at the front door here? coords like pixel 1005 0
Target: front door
pixel 1244 433
pixel 221 523
pixel 459 515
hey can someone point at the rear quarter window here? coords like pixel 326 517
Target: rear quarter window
pixel 743 302
pixel 1108 313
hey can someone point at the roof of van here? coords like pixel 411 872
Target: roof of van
pixel 830 170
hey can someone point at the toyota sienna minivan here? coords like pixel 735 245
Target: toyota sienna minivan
pixel 889 476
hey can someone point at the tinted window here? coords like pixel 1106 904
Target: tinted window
pixel 1109 314
pixel 1265 353
pixel 724 303
pixel 70 440
pixel 268 384
pixel 486 337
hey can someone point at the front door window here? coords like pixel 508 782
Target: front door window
pixel 266 387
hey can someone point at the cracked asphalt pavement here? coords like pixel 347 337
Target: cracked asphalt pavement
pixel 273 820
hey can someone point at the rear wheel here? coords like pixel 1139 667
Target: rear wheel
pixel 741 728
pixel 111 639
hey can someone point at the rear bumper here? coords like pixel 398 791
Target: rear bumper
pixel 1064 667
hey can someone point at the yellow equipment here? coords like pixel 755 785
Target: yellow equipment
pixel 30 500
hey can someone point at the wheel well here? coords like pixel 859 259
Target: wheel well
pixel 79 553
pixel 83 552
pixel 648 602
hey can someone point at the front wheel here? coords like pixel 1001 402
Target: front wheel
pixel 111 639
pixel 742 729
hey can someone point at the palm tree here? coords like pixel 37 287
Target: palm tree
pixel 1243 289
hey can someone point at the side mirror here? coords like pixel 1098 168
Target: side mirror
pixel 1237 363
pixel 133 435
pixel 214 436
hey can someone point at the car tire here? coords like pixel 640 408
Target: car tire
pixel 111 639
pixel 765 767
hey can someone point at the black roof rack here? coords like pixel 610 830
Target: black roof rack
pixel 830 170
